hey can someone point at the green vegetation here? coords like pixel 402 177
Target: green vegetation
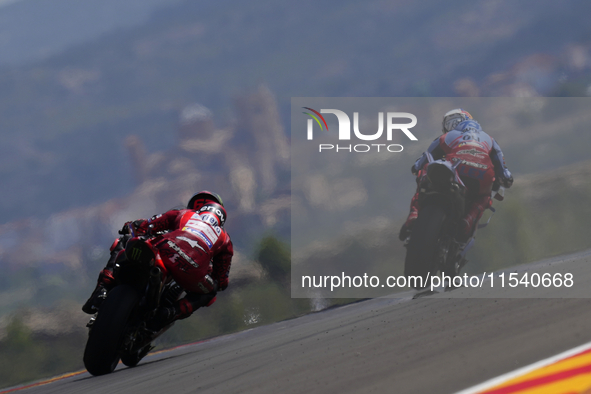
pixel 27 356
pixel 530 227
pixel 275 258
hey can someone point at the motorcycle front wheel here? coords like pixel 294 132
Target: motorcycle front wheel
pixel 102 352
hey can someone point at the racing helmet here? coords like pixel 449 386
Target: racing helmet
pixel 468 125
pixel 453 118
pixel 201 198
pixel 212 212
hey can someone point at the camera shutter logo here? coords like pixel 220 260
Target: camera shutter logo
pixel 344 132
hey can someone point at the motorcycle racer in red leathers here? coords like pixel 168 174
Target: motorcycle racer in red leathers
pixel 482 164
pixel 187 241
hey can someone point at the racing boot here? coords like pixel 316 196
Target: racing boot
pixel 105 283
pixel 471 218
pixel 182 309
pixel 406 228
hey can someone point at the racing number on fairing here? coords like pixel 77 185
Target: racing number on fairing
pixel 469 136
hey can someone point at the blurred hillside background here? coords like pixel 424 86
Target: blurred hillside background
pixel 114 110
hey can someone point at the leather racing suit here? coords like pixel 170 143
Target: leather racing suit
pixel 482 163
pixel 192 239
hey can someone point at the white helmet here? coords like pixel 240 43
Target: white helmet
pixel 453 118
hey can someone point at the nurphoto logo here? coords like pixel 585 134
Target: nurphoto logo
pixel 344 131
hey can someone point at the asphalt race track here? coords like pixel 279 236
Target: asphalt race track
pixel 431 344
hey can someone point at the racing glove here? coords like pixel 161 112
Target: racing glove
pixel 132 227
pixel 140 227
pixel 221 283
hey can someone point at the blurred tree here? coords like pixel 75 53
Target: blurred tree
pixel 27 356
pixel 274 256
pixel 275 259
pixel 18 336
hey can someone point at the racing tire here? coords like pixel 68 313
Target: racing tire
pixel 423 248
pixel 131 360
pixel 106 336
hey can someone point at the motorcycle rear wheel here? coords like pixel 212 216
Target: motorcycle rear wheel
pixel 423 248
pixel 102 352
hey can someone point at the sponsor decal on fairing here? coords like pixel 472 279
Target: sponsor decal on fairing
pixel 177 249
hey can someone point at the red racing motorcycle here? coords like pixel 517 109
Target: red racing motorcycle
pixel 119 330
pixel 432 246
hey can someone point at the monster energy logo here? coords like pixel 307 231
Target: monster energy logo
pixel 136 253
